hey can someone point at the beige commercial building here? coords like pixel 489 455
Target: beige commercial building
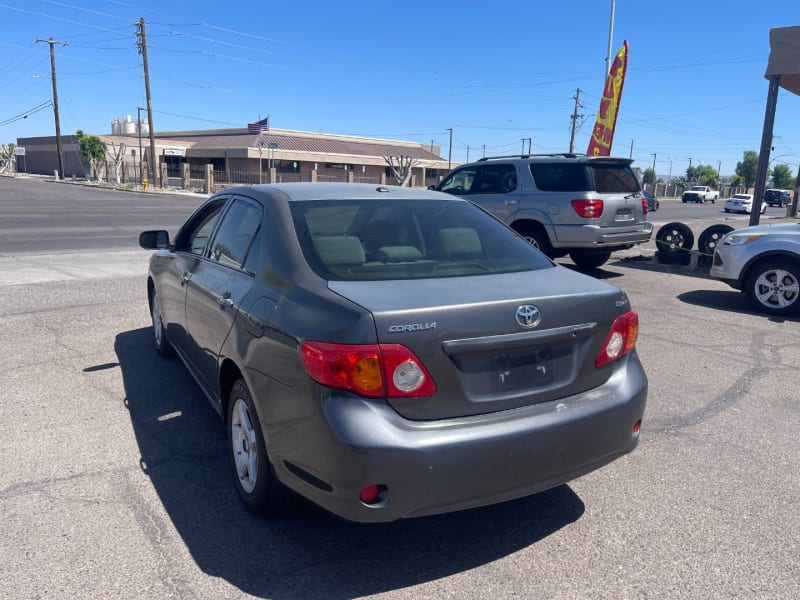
pixel 216 158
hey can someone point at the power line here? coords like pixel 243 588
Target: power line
pixel 27 113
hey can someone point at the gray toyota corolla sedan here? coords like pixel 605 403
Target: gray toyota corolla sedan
pixel 387 352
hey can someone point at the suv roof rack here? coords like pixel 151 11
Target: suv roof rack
pixel 552 154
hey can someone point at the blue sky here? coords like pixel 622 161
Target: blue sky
pixel 494 72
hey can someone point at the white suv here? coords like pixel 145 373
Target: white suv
pixel 579 205
pixel 763 261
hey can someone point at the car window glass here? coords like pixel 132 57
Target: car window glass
pixel 194 236
pixel 614 179
pixel 561 177
pixel 495 179
pixel 236 233
pixel 422 239
pixel 459 182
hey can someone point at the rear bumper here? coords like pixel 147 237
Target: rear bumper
pixel 595 236
pixel 430 467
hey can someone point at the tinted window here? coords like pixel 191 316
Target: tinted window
pixel 495 179
pixel 561 177
pixel 193 237
pixel 236 233
pixel 410 239
pixel 614 179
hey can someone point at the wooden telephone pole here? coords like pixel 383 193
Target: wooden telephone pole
pixel 575 116
pixel 142 44
pixel 59 151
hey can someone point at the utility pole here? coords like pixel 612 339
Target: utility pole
pixel 574 117
pixel 450 150
pixel 467 152
pixel 631 154
pixel 52 43
pixel 142 44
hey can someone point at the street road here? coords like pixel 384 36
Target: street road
pixel 114 481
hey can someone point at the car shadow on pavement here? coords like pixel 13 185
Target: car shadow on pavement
pixel 729 301
pixel 305 553
pixel 650 264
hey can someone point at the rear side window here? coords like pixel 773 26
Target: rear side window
pixel 614 179
pixel 561 177
pixel 409 239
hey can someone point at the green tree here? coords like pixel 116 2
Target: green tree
pixel 782 177
pixel 649 177
pixel 747 168
pixel 702 175
pixel 93 149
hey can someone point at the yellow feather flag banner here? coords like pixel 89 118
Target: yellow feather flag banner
pixel 603 132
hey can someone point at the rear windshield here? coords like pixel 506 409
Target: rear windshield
pixel 583 177
pixel 363 240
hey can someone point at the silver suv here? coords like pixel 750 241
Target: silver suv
pixel 762 261
pixel 584 206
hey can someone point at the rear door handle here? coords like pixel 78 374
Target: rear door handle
pixel 511 202
pixel 225 301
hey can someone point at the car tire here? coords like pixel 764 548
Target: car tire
pixel 674 237
pixel 773 287
pixel 255 478
pixel 161 342
pixel 589 260
pixel 727 210
pixel 535 234
pixel 711 236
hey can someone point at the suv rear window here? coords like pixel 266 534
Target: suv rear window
pixel 365 240
pixel 581 177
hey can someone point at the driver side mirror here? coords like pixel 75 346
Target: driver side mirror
pixel 154 240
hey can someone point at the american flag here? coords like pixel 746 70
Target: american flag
pixel 259 126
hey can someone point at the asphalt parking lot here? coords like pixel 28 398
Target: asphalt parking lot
pixel 114 482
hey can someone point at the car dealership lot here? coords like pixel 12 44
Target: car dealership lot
pixel 114 481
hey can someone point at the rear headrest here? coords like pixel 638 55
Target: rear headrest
pixel 398 253
pixel 460 241
pixel 340 250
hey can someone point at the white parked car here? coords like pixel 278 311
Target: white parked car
pixel 742 203
pixel 763 262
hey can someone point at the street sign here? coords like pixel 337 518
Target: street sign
pixel 273 145
pixel 19 151
pixel 174 151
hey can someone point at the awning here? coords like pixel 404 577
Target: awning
pixel 784 57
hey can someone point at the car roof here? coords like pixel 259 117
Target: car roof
pixel 555 157
pixel 338 191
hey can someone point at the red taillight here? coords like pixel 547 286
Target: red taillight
pixel 620 340
pixel 588 208
pixel 644 205
pixel 371 370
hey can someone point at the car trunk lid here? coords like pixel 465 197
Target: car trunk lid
pixel 489 348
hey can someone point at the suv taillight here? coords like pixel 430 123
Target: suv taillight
pixel 644 205
pixel 620 340
pixel 370 370
pixel 588 208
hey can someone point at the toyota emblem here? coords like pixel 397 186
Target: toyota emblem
pixel 528 316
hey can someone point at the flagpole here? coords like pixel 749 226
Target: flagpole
pixel 610 39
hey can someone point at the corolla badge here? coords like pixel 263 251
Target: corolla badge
pixel 528 316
